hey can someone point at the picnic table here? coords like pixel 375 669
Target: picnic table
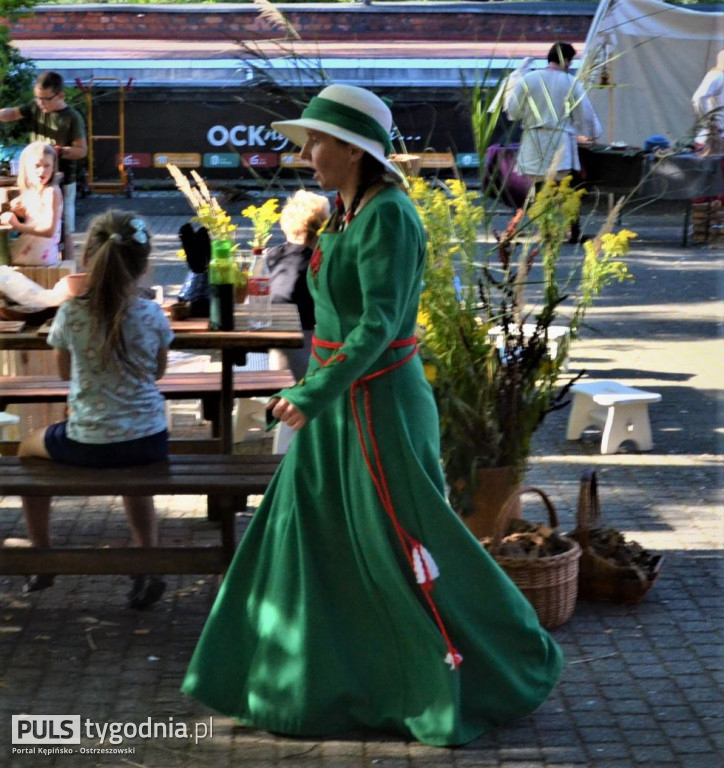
pixel 225 479
pixel 193 334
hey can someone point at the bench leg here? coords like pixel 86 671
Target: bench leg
pixel 578 418
pixel 227 507
pixel 210 412
pixel 626 421
pixel 215 506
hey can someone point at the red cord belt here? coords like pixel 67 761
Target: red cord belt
pixel 421 562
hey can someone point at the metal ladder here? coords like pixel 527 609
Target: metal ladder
pixel 125 176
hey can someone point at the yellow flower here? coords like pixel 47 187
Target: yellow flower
pixel 492 378
pixel 617 243
pixel 263 218
pixel 423 317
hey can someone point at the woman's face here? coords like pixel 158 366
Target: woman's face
pixel 334 162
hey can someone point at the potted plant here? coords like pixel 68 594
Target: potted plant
pixel 486 346
pixel 214 224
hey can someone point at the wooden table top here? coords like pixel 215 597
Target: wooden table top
pixel 285 331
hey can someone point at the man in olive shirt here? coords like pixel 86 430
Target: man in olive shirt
pixel 51 120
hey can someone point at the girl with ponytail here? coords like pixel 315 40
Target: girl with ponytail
pixel 112 345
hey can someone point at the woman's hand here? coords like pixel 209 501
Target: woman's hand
pixel 287 412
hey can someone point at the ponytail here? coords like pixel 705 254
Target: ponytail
pixel 115 256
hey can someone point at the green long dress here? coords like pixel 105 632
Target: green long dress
pixel 320 626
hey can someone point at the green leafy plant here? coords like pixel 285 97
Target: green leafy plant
pixel 17 76
pixel 487 350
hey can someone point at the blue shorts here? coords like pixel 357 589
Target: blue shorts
pixel 144 450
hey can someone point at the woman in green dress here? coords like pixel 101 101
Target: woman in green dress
pixel 357 599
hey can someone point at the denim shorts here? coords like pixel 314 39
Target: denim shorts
pixel 143 450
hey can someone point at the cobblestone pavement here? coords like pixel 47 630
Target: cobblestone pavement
pixel 642 683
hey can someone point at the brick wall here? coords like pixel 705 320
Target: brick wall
pixel 449 21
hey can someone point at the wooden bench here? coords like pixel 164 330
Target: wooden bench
pixel 622 411
pixel 226 479
pixel 204 386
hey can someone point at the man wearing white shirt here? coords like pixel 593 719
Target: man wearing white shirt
pixel 554 111
pixel 708 100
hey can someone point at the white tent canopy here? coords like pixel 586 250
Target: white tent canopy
pixel 654 56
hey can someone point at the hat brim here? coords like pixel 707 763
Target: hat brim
pixel 296 131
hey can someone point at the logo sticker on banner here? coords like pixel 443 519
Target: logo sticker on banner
pixel 135 160
pixel 261 160
pixel 292 160
pixel 221 160
pixel 180 159
pixel 467 160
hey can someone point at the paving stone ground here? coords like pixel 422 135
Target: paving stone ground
pixel 642 683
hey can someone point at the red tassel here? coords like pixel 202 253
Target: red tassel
pixel 454 659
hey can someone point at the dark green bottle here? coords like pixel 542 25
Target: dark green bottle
pixel 222 282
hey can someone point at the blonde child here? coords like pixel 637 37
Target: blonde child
pixel 301 219
pixel 112 345
pixel 37 214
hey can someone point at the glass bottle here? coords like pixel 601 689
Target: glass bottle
pixel 222 284
pixel 259 292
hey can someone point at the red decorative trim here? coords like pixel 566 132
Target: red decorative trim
pixel 413 549
pixel 317 342
pixel 315 262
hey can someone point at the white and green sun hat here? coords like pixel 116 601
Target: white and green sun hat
pixel 348 113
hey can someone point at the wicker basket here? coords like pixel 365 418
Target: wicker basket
pixel 600 579
pixel 707 222
pixel 549 583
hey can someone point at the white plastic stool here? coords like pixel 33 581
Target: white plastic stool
pixel 556 335
pixel 170 411
pixel 622 411
pixel 7 420
pixel 249 418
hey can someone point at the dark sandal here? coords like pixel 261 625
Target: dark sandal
pixel 146 591
pixel 38 581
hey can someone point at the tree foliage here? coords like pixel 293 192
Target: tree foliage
pixel 17 74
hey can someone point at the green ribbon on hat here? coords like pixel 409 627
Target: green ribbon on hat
pixel 349 118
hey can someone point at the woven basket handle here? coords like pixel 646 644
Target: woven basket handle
pixel 589 506
pixel 508 508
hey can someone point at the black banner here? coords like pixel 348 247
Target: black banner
pixel 229 136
